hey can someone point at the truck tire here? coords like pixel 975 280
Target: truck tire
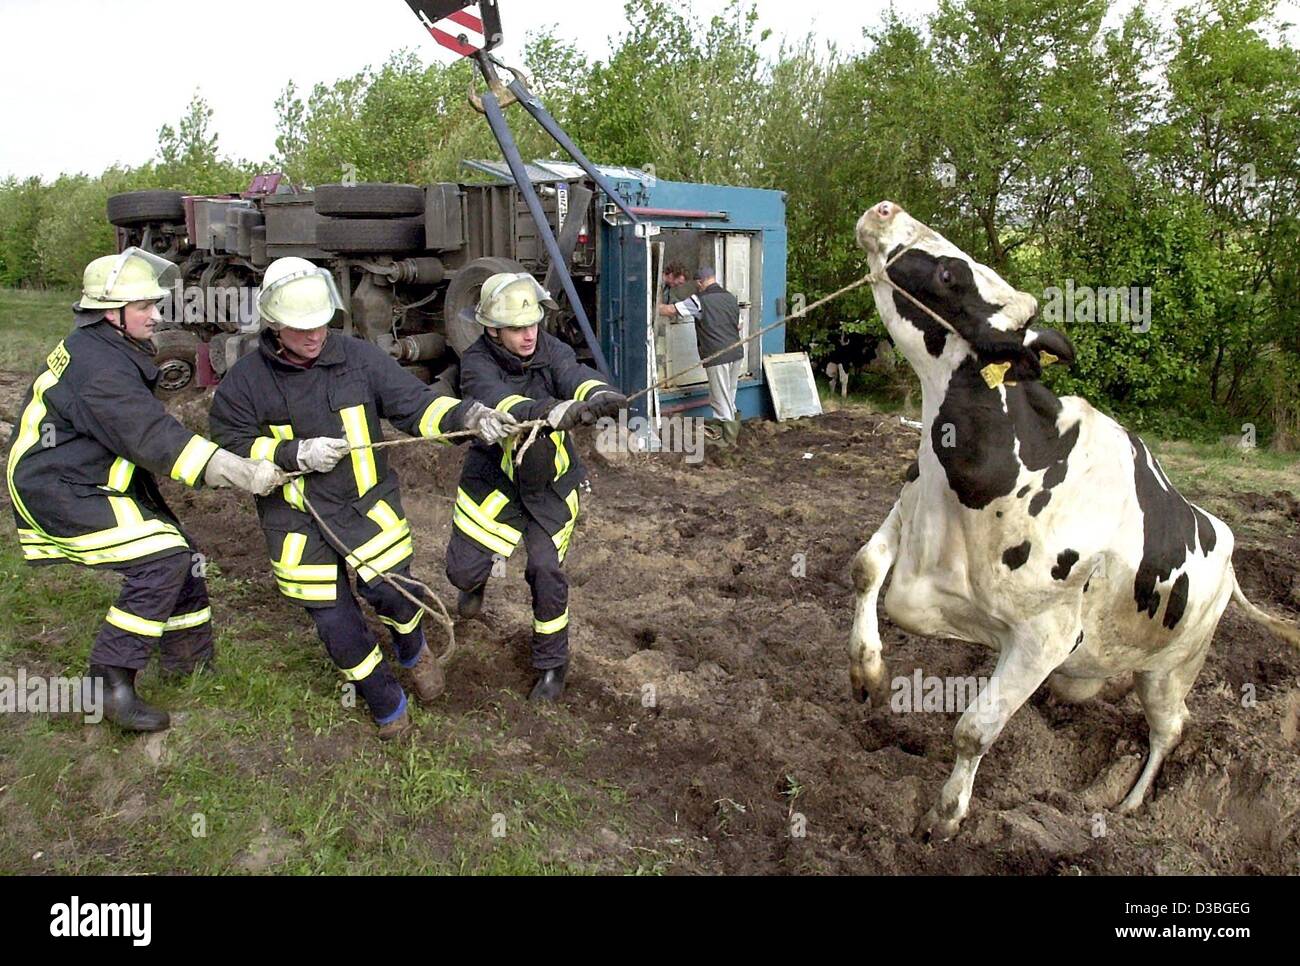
pixel 176 359
pixel 370 235
pixel 463 292
pixel 369 200
pixel 139 207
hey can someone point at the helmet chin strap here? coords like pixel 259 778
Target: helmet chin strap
pixel 145 345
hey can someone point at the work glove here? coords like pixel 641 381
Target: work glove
pixel 491 426
pixel 566 414
pixel 320 454
pixel 606 402
pixel 258 477
pixel 570 412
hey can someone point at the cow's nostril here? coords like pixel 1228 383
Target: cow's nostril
pixel 884 209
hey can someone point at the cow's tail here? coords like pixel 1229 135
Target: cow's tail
pixel 1287 630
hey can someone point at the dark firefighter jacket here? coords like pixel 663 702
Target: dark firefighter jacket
pixel 265 405
pixel 89 438
pixel 491 502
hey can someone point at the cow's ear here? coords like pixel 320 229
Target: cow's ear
pixel 1051 346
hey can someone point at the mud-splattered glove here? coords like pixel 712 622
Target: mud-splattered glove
pixel 606 402
pixel 258 477
pixel 320 454
pixel 491 426
pixel 565 414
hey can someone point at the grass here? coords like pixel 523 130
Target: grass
pixel 263 769
pixel 32 322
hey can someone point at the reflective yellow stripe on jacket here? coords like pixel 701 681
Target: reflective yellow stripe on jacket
pixel 132 538
pixel 193 459
pixel 431 421
pixel 120 474
pixel 561 539
pixel 585 389
pixel 296 489
pixel 561 454
pixel 387 549
pixel 357 430
pixel 509 402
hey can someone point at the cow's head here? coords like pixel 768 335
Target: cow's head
pixel 982 315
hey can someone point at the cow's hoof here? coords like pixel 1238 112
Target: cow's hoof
pixel 868 687
pixel 1129 805
pixel 935 828
pixel 877 695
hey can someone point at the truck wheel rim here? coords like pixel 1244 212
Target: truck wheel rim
pixel 174 374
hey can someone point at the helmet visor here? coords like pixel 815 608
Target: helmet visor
pixel 134 276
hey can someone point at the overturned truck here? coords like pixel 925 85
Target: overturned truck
pixel 407 259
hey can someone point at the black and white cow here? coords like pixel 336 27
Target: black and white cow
pixel 1035 524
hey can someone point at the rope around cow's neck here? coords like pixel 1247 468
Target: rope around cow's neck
pixel 533 427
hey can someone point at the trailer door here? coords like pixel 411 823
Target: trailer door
pixel 730 254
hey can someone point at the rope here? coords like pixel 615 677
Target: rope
pixel 532 427
pixel 441 615
pixel 857 283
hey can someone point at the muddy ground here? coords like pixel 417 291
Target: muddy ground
pixel 711 683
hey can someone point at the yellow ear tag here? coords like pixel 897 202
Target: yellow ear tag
pixel 994 373
pixel 1046 358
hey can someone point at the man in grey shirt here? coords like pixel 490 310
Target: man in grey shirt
pixel 716 315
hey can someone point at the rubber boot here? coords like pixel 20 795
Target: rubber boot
pixel 550 684
pixel 731 431
pixel 122 705
pixel 470 602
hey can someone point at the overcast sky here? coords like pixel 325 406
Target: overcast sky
pixel 88 82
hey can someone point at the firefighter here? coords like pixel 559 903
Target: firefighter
pixel 311 398
pixel 89 438
pixel 519 368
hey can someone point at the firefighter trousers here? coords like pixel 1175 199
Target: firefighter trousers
pixel 163 604
pixel 351 645
pixel 469 564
